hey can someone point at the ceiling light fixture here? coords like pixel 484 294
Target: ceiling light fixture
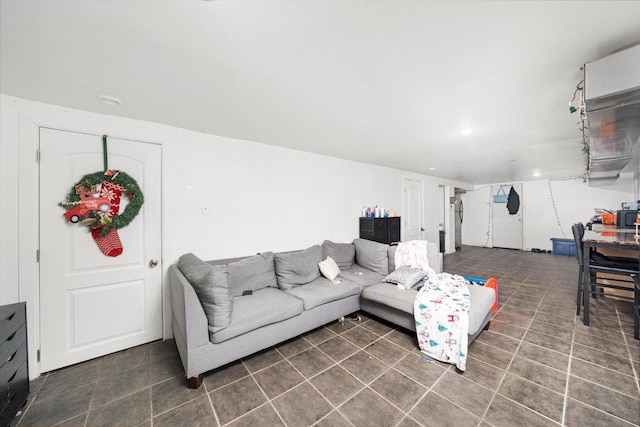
pixel 109 100
pixel 466 131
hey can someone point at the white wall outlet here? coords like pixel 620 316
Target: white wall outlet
pixel 205 209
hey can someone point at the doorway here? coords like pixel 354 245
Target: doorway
pixel 507 228
pixel 413 209
pixel 92 304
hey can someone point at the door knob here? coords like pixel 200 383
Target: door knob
pixel 153 263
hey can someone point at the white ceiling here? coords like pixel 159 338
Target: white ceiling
pixel 385 82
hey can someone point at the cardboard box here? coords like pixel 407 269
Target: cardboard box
pixel 617 280
pixel 620 253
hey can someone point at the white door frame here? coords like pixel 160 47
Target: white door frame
pixel 29 208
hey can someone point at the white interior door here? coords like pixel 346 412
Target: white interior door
pixel 507 228
pixel 92 304
pixel 413 210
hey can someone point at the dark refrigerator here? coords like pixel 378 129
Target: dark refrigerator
pixel 458 216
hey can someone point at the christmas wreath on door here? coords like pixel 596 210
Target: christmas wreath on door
pixel 94 202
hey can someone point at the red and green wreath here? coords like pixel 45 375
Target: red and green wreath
pixel 94 201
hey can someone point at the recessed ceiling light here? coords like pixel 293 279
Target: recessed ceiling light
pixel 536 173
pixel 466 131
pixel 109 100
pixel 432 169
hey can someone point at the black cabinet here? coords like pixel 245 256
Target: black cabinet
pixel 14 371
pixel 383 230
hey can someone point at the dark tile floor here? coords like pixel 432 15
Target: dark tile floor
pixel 538 365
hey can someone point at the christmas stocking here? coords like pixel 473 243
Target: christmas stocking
pixel 110 245
pixel 113 192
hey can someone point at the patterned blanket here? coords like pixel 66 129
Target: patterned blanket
pixel 413 253
pixel 441 311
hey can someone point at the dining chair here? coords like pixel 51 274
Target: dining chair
pixel 578 232
pixel 636 306
pixel 599 263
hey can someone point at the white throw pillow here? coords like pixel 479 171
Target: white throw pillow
pixel 329 268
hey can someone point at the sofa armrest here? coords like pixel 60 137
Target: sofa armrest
pixel 187 311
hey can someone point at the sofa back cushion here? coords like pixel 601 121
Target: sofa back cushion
pixel 372 255
pixel 252 274
pixel 298 268
pixel 344 254
pixel 212 287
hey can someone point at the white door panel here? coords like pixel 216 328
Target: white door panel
pixel 92 304
pixel 507 228
pixel 412 215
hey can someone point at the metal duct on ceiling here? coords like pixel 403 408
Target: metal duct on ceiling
pixel 612 106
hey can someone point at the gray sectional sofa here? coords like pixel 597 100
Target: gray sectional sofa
pixel 227 309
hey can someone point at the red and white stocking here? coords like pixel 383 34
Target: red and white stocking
pixel 110 245
pixel 113 192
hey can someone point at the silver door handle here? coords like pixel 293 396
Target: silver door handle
pixel 153 263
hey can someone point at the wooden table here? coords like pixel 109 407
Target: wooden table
pixel 603 237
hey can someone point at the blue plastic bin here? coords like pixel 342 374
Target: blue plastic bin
pixel 566 247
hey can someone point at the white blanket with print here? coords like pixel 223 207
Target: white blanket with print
pixel 441 311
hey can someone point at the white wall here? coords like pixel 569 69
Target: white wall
pixel 260 197
pixel 574 202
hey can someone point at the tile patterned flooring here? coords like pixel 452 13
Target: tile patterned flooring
pixel 538 365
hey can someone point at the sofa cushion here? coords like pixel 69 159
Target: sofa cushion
pixel 389 294
pixel 372 255
pixel 344 254
pixel 212 287
pixel 252 274
pixel 329 268
pixel 266 306
pixel 391 254
pixel 406 276
pixel 298 268
pixel 361 276
pixel 322 291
